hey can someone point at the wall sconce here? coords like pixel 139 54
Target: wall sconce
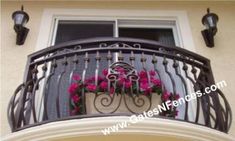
pixel 20 19
pixel 210 21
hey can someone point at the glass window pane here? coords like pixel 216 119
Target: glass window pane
pixel 74 30
pixel 164 36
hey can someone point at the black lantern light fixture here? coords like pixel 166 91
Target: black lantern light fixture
pixel 20 19
pixel 210 21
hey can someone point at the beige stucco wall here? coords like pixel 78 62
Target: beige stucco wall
pixel 13 58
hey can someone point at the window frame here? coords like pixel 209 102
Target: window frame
pixel 152 23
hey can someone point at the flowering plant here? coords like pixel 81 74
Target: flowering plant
pixel 121 83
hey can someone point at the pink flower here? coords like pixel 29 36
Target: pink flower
pixel 152 72
pixel 128 84
pixel 76 98
pixel 121 80
pixel 100 78
pixel 177 96
pixel 176 113
pixel 120 70
pixel 89 80
pixel 166 96
pixel 91 87
pixel 144 86
pixel 93 78
pixel 144 80
pixel 104 85
pixel 76 77
pixel 156 82
pixel 148 91
pixel 72 88
pixel 143 74
pixel 112 91
pixel 105 72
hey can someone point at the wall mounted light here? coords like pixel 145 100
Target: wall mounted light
pixel 20 19
pixel 210 22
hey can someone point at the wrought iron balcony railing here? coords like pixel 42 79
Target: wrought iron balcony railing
pixel 151 72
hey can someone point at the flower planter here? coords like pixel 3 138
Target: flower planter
pixel 111 93
pixel 120 104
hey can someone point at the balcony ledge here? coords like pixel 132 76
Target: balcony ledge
pixel 165 129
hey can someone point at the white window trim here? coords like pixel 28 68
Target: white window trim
pixel 50 15
pixel 182 28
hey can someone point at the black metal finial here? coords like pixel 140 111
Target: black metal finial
pixel 22 8
pixel 208 10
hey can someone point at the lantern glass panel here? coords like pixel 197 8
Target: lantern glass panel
pixel 211 21
pixel 20 19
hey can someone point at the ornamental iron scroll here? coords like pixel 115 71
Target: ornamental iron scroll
pixel 122 99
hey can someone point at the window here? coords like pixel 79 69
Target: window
pixel 173 26
pixel 151 30
pixel 76 30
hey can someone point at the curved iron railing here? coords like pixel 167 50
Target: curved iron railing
pixel 43 98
